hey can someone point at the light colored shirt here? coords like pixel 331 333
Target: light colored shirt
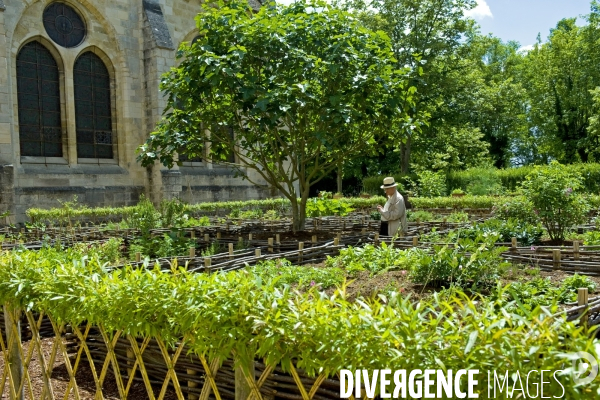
pixel 394 212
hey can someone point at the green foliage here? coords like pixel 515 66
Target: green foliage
pixel 554 194
pixel 432 184
pixel 168 245
pixel 105 252
pixel 523 297
pixel 512 178
pixel 283 273
pixel 526 233
pixel 374 259
pixel 419 215
pixel 476 202
pixel 468 264
pixel 458 217
pixel 255 213
pixel 316 207
pixel 486 182
pixel 334 94
pixel 144 217
pixel 591 238
pixel 239 311
pixel 518 208
pixel 372 184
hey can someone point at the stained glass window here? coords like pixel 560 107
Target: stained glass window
pixel 38 91
pixel 64 25
pixel 92 107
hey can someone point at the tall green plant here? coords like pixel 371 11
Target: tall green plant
pixel 554 195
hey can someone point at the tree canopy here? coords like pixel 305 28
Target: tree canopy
pixel 304 87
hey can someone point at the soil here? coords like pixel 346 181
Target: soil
pixel 83 377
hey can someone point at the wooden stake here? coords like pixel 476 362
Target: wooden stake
pixel 336 241
pixel 576 249
pixel 314 238
pixel 300 252
pixel 257 253
pixel 192 252
pixel 206 237
pixel 277 238
pixel 556 258
pixel 415 241
pixel 193 234
pixel 249 237
pixel 582 300
pixel 513 244
pixel 219 235
pixel 207 264
pixel 138 257
pixel 192 384
pixel 230 251
pixel 270 242
pixel 130 361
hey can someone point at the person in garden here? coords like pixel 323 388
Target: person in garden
pixel 393 213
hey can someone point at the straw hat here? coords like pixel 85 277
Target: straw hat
pixel 388 183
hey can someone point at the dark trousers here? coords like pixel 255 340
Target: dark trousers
pixel 383 229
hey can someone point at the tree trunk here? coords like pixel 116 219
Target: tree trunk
pixel 405 156
pixel 299 214
pixel 339 178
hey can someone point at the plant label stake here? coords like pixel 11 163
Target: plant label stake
pixel 556 259
pixel 582 300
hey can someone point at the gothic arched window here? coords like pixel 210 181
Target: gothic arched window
pixel 92 107
pixel 38 91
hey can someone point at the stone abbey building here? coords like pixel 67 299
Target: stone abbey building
pixel 79 92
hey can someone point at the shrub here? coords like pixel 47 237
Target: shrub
pixel 518 208
pixel 374 259
pixel 303 277
pixel 470 263
pixel 321 208
pixel 485 182
pixel 591 238
pixel 553 192
pixel 420 215
pixel 458 217
pixel 525 232
pixel 432 184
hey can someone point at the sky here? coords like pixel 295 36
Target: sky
pixel 522 20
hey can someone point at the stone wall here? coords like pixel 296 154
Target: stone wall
pixel 136 39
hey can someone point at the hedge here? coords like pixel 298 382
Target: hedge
pixel 224 312
pixel 510 178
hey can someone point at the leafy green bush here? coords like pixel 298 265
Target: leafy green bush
pixel 316 207
pixel 374 259
pixel 591 238
pixel 458 217
pixel 554 194
pixel 106 252
pixel 468 201
pixel 419 215
pixel 518 208
pixel 168 245
pixel 526 233
pixel 469 263
pixel 432 184
pixel 485 182
pixel 523 297
pixel 239 311
pixel 282 272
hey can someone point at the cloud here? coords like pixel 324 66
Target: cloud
pixel 480 11
pixel 525 49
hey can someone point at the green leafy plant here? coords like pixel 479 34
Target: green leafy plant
pixel 591 238
pixel 302 277
pixel 374 259
pixel 420 215
pixel 322 208
pixel 526 233
pixel 554 194
pixel 432 184
pixel 458 191
pixel 468 264
pixel 458 217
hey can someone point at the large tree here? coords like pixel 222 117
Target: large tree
pixel 304 87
